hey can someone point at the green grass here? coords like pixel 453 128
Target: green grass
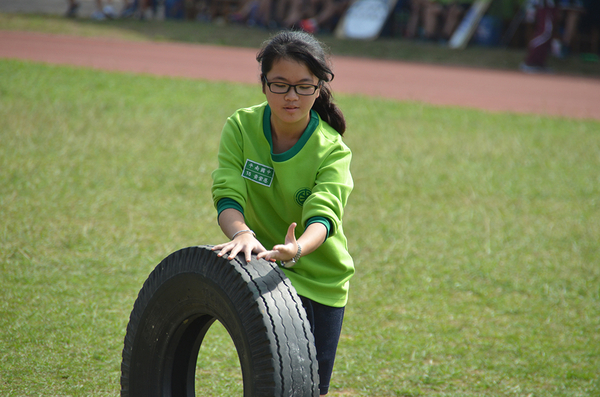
pixel 475 236
pixel 239 36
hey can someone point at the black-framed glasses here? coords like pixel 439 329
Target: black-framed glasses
pixel 284 88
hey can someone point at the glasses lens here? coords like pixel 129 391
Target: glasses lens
pixel 279 88
pixel 306 89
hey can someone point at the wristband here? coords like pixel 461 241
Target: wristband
pixel 292 262
pixel 242 231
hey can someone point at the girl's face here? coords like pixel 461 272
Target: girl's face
pixel 290 112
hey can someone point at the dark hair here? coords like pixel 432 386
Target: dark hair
pixel 304 48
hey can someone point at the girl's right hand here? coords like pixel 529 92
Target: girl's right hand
pixel 283 252
pixel 243 242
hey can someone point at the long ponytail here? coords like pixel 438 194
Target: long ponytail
pixel 303 47
pixel 329 111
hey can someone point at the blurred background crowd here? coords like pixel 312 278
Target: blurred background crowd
pixel 564 26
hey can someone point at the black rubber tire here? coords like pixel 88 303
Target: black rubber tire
pixel 255 302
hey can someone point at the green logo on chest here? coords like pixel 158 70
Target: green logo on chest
pixel 301 195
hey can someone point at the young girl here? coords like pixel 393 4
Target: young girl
pixel 283 166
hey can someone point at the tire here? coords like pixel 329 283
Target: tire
pixel 256 303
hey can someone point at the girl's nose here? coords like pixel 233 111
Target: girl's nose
pixel 291 94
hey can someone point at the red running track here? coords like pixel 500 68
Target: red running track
pixel 492 90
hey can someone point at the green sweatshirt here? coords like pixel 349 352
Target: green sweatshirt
pixel 310 182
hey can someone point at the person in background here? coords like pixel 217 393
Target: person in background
pixel 434 9
pixel 311 15
pixel 128 9
pixel 323 14
pixel 539 46
pixel 580 18
pixel 255 13
pixel 571 14
pixel 590 25
pixel 143 10
pixel 73 8
pixel 104 11
pixel 439 18
pixel 417 10
pixel 453 15
pixel 100 14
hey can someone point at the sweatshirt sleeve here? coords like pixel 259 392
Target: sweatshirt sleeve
pixel 333 185
pixel 227 178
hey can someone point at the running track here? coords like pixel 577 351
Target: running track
pixel 574 97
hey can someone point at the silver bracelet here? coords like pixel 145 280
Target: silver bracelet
pixel 292 262
pixel 242 231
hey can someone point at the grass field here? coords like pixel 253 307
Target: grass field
pixel 475 236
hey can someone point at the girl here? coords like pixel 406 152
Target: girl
pixel 282 166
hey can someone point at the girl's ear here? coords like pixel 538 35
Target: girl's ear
pixel 320 84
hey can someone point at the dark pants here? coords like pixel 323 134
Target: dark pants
pixel 539 46
pixel 326 326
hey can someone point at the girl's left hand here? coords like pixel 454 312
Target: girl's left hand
pixel 283 252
